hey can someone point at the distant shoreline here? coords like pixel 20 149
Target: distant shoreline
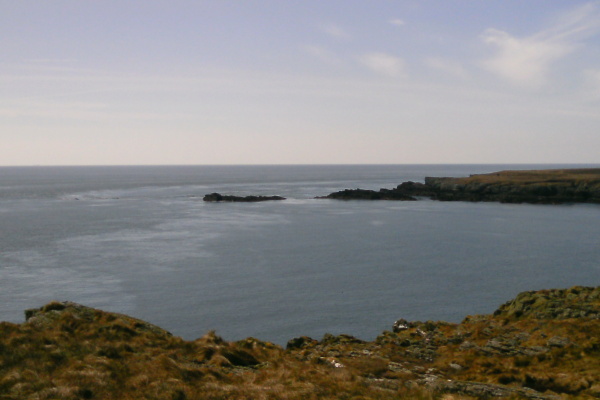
pixel 550 186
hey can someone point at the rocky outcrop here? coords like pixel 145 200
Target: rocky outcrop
pixel 52 313
pixel 363 194
pixel 406 191
pixel 521 351
pixel 536 186
pixel 483 390
pixel 576 302
pixel 217 197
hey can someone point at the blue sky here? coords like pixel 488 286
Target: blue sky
pixel 299 82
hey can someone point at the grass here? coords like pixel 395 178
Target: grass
pixel 67 351
pixel 589 175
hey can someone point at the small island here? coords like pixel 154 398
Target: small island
pixel 217 197
pixel 553 186
pixel 363 194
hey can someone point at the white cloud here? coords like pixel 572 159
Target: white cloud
pixel 385 64
pixel 528 60
pixel 397 22
pixel 335 31
pixel 448 67
pixel 524 61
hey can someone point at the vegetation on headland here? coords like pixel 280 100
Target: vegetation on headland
pixel 534 186
pixel 541 345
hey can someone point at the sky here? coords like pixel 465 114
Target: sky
pixel 148 82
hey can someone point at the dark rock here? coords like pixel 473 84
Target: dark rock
pixel 537 186
pixel 411 188
pixel 301 342
pixel 363 194
pixel 240 358
pixel 217 197
pixel 329 339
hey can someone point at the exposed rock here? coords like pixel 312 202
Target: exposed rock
pixel 558 341
pixel 456 367
pixel 363 194
pixel 535 186
pixel 217 197
pixel 340 339
pixel 510 347
pixel 482 390
pixel 301 342
pixel 414 189
pixel 401 325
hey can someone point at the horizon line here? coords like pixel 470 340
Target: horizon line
pixel 286 165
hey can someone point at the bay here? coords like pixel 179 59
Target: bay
pixel 140 240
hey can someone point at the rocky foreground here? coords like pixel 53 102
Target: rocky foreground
pixel 541 345
pixel 536 186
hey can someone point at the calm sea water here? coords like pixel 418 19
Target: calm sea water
pixel 140 240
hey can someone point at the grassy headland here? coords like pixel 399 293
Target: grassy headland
pixel 541 345
pixel 551 186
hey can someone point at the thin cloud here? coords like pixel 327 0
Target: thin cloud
pixel 447 67
pixel 335 31
pixel 524 61
pixel 397 22
pixel 528 60
pixel 321 53
pixel 385 64
pixel 592 80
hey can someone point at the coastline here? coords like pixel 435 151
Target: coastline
pixel 552 186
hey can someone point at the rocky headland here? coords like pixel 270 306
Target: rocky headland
pixel 540 345
pixel 364 194
pixel 217 197
pixel 536 186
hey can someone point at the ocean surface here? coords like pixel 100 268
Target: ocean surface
pixel 140 241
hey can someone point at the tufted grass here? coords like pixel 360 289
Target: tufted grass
pixel 67 351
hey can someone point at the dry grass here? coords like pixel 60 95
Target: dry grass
pixel 590 175
pixel 81 353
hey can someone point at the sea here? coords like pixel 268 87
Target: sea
pixel 140 240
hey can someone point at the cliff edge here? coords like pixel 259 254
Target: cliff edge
pixel 555 186
pixel 541 345
pixel 535 186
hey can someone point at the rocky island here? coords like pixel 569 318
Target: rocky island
pixel 217 197
pixel 536 186
pixel 403 192
pixel 541 345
